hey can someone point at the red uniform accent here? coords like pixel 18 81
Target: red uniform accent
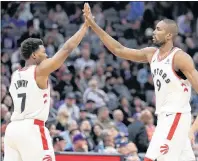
pixel 42 131
pixel 174 126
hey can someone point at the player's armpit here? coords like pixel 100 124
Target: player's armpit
pixel 184 62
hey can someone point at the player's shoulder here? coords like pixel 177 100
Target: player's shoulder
pixel 181 58
pixel 149 52
pixel 182 55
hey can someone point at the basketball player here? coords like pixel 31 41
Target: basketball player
pixel 173 73
pixel 26 137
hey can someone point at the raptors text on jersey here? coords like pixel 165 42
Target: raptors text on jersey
pixel 172 93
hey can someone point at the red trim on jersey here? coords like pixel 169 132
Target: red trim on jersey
pixel 174 126
pixel 159 60
pixel 147 159
pixel 45 101
pixel 42 131
pixel 174 69
pixel 23 69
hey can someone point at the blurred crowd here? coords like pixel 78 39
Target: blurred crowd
pixel 99 102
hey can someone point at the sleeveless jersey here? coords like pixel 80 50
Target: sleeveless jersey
pixel 172 93
pixel 30 102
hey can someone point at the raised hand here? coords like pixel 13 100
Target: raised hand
pixel 87 14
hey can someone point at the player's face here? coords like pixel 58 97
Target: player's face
pixel 39 55
pixel 159 34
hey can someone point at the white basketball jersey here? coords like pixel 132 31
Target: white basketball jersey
pixel 30 102
pixel 172 93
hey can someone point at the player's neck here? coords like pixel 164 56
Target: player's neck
pixel 166 48
pixel 29 63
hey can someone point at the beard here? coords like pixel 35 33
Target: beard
pixel 159 43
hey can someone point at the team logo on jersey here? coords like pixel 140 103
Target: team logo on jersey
pixel 161 73
pixel 167 61
pixel 185 89
pixel 47 158
pixel 164 149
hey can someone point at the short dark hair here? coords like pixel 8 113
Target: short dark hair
pixel 173 26
pixel 29 46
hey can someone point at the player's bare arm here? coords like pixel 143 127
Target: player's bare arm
pixel 185 63
pixel 52 64
pixel 142 55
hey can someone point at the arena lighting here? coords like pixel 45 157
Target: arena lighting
pixel 73 156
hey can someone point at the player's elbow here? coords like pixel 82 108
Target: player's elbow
pixel 118 51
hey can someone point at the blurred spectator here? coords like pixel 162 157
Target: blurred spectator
pixel 85 129
pixel 97 13
pixel 80 143
pixel 121 89
pixel 108 140
pixel 31 32
pixel 103 117
pixel 24 11
pixel 133 152
pixel 100 76
pixel 184 23
pixel 70 106
pixel 111 93
pixel 138 135
pixel 5 117
pixel 65 85
pixel 58 143
pixel 53 33
pixel 86 77
pixel 97 131
pixel 8 43
pixel 127 110
pixel 61 16
pixel 62 119
pixel 51 19
pixel 136 11
pixel 85 60
pixel 94 93
pixel 67 134
pixel 52 130
pixel 86 115
pixel 147 118
pixel 118 118
pixel 4 111
pixel 8 101
pixel 77 16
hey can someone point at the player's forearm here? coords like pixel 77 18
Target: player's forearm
pixel 50 65
pixel 70 44
pixel 194 127
pixel 114 46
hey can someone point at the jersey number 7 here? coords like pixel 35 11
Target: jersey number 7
pixel 23 96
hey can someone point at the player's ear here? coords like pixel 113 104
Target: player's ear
pixel 33 56
pixel 169 36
